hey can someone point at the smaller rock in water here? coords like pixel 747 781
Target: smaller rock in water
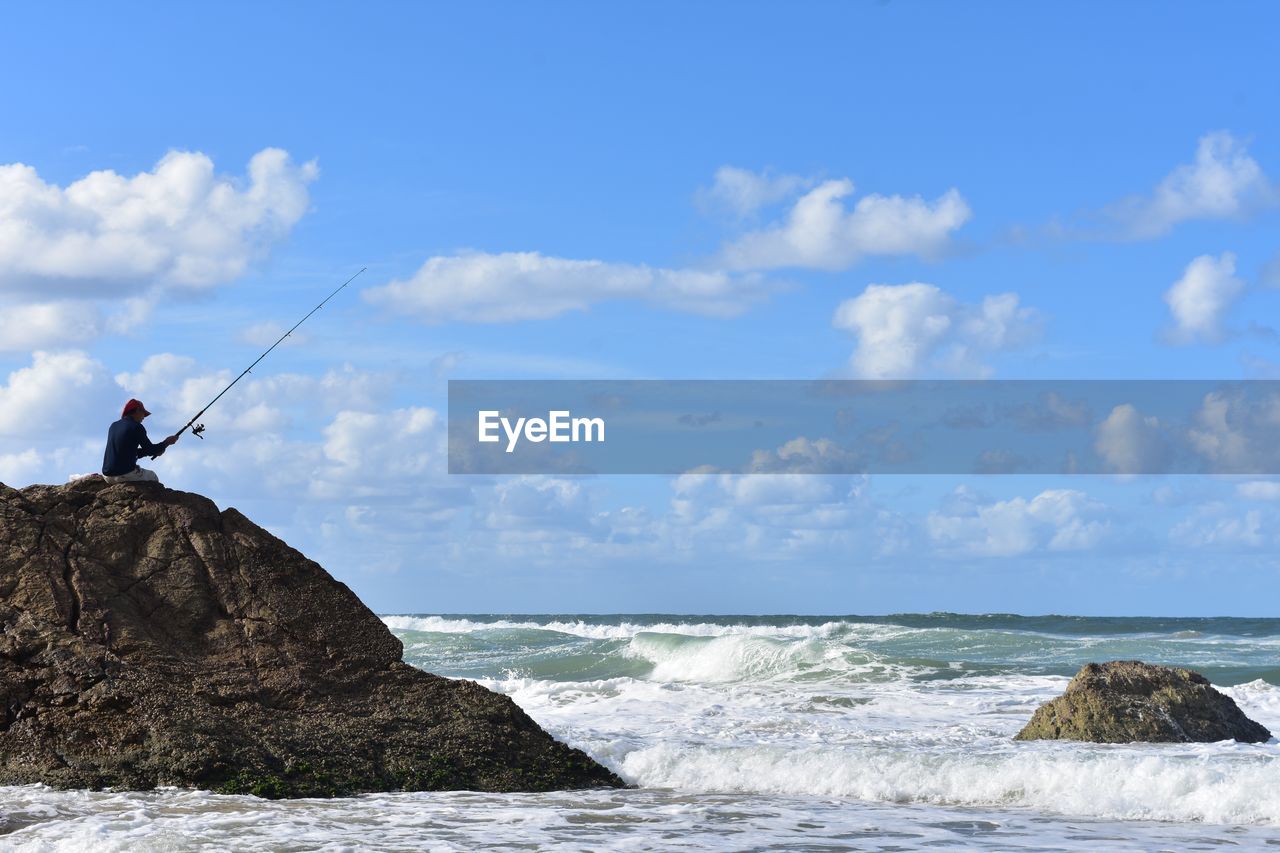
pixel 1130 701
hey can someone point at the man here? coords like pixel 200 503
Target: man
pixel 126 441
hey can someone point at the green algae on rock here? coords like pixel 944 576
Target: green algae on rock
pixel 1132 701
pixel 150 639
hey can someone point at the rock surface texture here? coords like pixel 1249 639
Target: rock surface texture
pixel 1129 701
pixel 150 639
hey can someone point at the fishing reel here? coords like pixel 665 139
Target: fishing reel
pixel 196 430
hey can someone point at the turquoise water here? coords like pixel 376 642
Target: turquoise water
pixel 943 645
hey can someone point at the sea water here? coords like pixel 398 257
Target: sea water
pixel 744 733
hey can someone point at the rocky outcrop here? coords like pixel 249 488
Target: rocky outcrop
pixel 150 639
pixel 1128 701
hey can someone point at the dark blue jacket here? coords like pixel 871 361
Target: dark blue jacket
pixel 126 441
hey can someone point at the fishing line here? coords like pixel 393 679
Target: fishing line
pixel 197 429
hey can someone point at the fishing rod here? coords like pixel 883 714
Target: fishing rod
pixel 197 429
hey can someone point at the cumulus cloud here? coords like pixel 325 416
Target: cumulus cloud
pixel 57 395
pixel 742 192
pixel 89 259
pixel 1053 520
pixel 365 452
pixel 766 517
pixel 19 467
pixel 792 490
pixel 539 502
pixel 907 328
pixel 821 232
pixel 1200 300
pixel 1129 443
pixel 66 323
pixel 1223 182
pixel 478 287
pixel 176 225
pixel 48 324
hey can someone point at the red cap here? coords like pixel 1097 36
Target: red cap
pixel 131 405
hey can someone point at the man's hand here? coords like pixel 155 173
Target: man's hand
pixel 170 441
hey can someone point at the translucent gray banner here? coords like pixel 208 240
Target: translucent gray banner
pixel 864 426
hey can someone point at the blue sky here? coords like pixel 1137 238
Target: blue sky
pixel 713 190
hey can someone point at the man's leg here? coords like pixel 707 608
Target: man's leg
pixel 137 475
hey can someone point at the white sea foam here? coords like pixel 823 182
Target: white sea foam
pixel 1221 785
pixel 946 744
pixel 640 820
pixel 626 630
pixel 724 657
pixel 1259 701
pixel 733 713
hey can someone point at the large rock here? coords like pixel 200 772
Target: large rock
pixel 1127 701
pixel 149 639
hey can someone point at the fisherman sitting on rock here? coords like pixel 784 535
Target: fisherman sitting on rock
pixel 126 441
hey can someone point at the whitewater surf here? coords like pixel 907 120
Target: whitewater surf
pixel 768 732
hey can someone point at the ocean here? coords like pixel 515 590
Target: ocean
pixel 773 732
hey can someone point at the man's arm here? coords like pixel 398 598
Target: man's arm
pixel 147 448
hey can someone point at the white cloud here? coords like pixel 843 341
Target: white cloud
pixel 743 192
pixel 19 467
pixel 1214 525
pixel 546 519
pixel 904 329
pixel 48 324
pixel 1054 520
pixel 371 454
pixel 177 225
pixel 794 490
pixel 59 393
pixel 1200 300
pixel 821 232
pixel 1129 443
pixel 497 288
pixel 1259 490
pixel 1223 182
pixel 778 516
pixel 538 501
